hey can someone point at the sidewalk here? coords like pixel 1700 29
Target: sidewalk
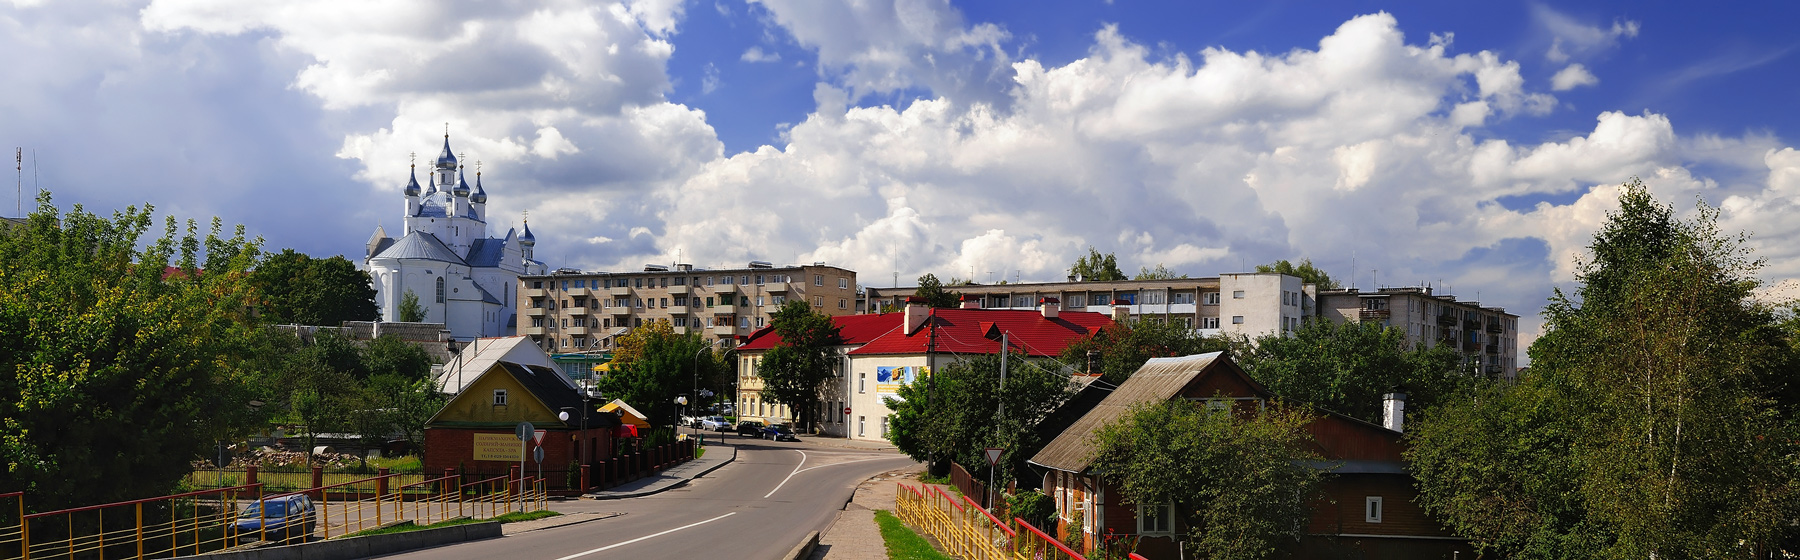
pixel 854 535
pixel 510 529
pixel 717 455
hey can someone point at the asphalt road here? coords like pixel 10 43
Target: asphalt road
pixel 757 507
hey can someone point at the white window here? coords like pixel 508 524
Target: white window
pixel 884 426
pixel 843 283
pixel 1157 519
pixel 1372 509
pixel 818 301
pixel 818 279
pixel 1153 298
pixel 1237 319
pixel 843 303
pixel 499 397
pixel 1237 294
pixel 859 425
pixel 862 382
pixel 1181 297
pixel 1209 322
pixel 1211 298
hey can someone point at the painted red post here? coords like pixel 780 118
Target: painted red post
pixel 381 484
pixel 249 475
pixel 584 479
pixel 318 479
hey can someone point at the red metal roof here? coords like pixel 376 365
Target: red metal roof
pixel 855 329
pixel 968 331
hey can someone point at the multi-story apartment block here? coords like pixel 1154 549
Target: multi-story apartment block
pixel 571 311
pixel 1488 337
pixel 1251 304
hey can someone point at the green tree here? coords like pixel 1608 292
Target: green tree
pixel 934 294
pixel 120 364
pixel 1347 368
pixel 1120 349
pixel 410 310
pixel 653 365
pixel 1242 482
pixel 1666 376
pixel 1305 271
pixel 1096 267
pixel 958 412
pixel 1159 274
pixel 798 366
pixel 296 288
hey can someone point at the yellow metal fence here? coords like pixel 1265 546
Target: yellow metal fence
pixel 204 521
pixel 969 532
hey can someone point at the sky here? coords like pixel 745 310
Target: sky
pixel 1473 147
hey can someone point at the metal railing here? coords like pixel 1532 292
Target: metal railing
pixel 969 532
pixel 204 521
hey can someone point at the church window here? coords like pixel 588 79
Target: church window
pixel 440 289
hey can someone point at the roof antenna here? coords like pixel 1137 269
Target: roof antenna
pixel 19 185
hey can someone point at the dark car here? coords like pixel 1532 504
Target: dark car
pixel 780 432
pixel 750 429
pixel 278 519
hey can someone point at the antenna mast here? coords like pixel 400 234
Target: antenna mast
pixel 19 183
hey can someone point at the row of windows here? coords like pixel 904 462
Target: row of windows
pixel 664 281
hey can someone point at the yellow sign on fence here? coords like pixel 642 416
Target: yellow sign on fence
pixel 498 447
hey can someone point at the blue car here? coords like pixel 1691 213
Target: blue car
pixel 779 432
pixel 279 519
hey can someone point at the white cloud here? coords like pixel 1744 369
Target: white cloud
pixel 1573 39
pixel 756 54
pixel 1571 77
pixel 881 46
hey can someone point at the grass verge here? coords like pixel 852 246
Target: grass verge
pixel 902 542
pixel 410 526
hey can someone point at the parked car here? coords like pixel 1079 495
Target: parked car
pixel 780 432
pixel 750 428
pixel 279 519
pixel 715 424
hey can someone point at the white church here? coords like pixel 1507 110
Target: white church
pixel 462 278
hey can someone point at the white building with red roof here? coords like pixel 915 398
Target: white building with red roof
pixel 883 352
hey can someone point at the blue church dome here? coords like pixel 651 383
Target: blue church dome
pixel 527 239
pixel 412 184
pixel 462 186
pixel 480 196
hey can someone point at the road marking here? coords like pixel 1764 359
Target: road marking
pixel 798 470
pixel 645 537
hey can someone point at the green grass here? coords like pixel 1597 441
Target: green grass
pixel 407 526
pixel 902 542
pixel 925 477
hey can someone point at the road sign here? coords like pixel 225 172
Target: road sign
pixel 522 431
pixel 993 455
pixel 537 454
pixel 846 410
pixel 538 437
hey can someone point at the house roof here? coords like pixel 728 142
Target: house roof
pixel 977 331
pixel 1160 379
pixel 477 357
pixel 486 252
pixel 628 414
pixel 854 329
pixel 548 386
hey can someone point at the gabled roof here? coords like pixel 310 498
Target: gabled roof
pixel 1158 380
pixel 548 386
pixel 431 209
pixel 628 415
pixel 855 330
pixel 486 252
pixel 420 245
pixel 478 356
pixel 967 331
pixel 487 297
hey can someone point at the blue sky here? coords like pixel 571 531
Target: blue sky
pixel 1469 145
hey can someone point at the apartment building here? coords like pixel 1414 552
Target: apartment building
pixel 1250 304
pixel 1488 337
pixel 571 311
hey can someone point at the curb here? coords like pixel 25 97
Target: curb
pixel 366 546
pixel 805 548
pixel 608 515
pixel 677 484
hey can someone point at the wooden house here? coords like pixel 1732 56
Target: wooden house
pixel 473 434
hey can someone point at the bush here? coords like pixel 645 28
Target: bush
pixel 1034 507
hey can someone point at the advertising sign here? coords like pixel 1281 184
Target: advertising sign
pixel 889 379
pixel 497 447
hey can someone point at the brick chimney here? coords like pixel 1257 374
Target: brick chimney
pixel 1051 307
pixel 916 313
pixel 1121 311
pixel 1393 411
pixel 971 301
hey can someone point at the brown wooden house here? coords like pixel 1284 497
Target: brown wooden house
pixel 473 433
pixel 1366 508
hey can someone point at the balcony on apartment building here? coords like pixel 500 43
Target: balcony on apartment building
pixel 1471 325
pixel 1373 314
pixel 679 290
pixel 1494 327
pixel 1493 369
pixel 534 312
pixel 577 311
pixel 725 289
pixel 619 310
pixel 620 291
pixel 724 330
pixel 577 292
pixel 1493 349
pixel 726 309
pixel 776 287
pixel 534 331
pixel 1471 346
pixel 679 330
pixel 576 331
pixel 1447 320
pixel 533 292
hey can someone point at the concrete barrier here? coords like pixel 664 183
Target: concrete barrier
pixel 805 548
pixel 366 546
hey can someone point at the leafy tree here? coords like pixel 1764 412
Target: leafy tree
pixel 1159 274
pixel 390 355
pixel 652 365
pixel 1347 368
pixel 1096 267
pixel 120 363
pixel 1239 480
pixel 1122 348
pixel 410 310
pixel 962 414
pixel 1664 382
pixel 797 367
pixel 1305 271
pixel 296 288
pixel 934 295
